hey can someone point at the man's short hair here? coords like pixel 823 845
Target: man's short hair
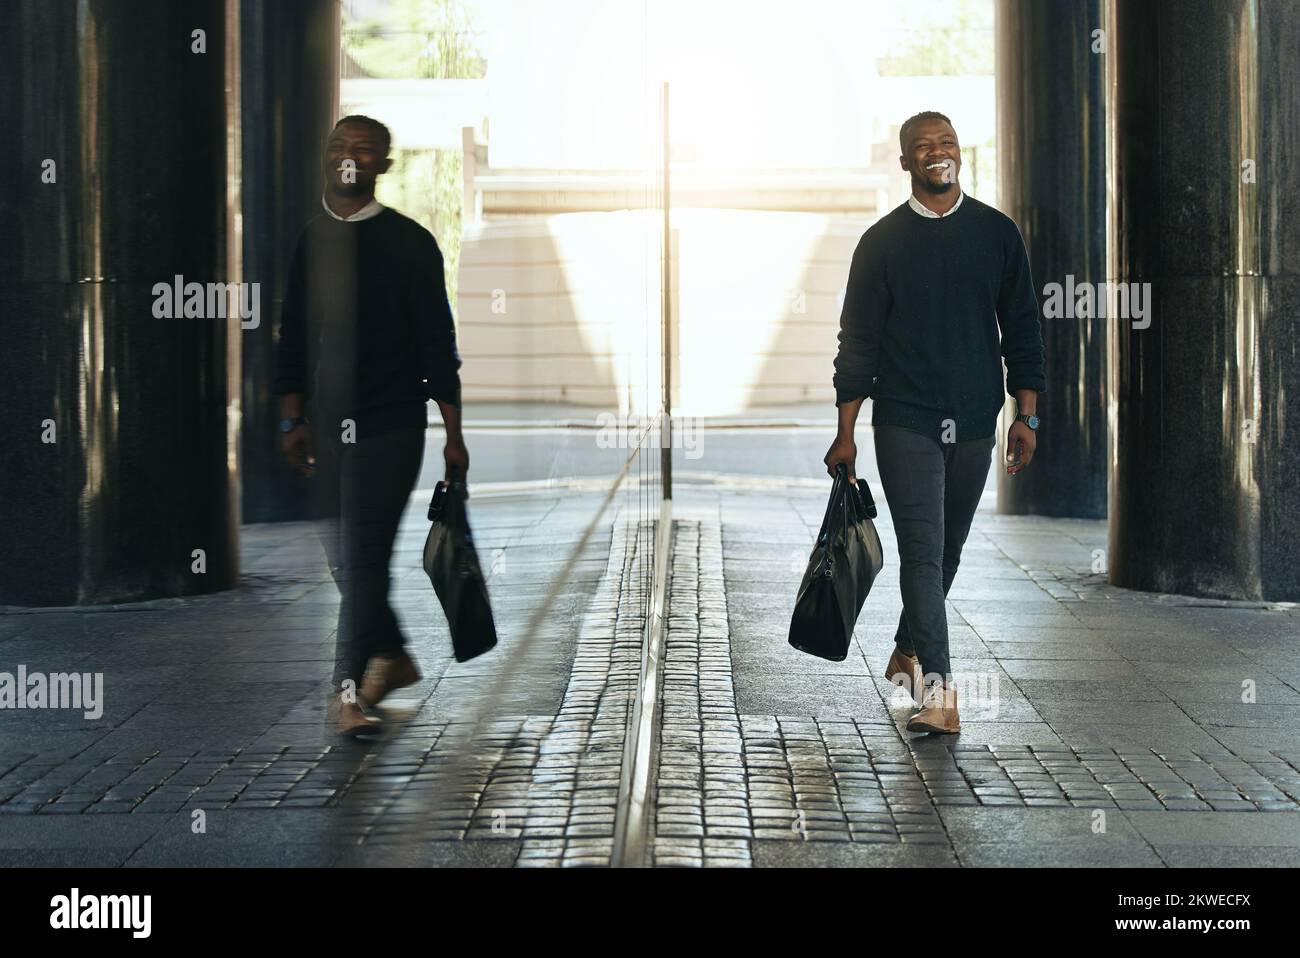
pixel 912 121
pixel 380 130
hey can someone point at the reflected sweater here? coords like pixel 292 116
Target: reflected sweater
pixel 366 332
pixel 932 307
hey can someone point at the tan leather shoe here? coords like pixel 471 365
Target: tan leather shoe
pixel 349 720
pixel 938 711
pixel 905 672
pixel 384 674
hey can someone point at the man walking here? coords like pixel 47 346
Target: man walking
pixel 366 339
pixel 931 286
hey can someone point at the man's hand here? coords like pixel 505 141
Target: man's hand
pixel 845 451
pixel 457 458
pixel 297 449
pixel 1021 443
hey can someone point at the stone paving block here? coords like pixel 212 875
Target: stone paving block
pixel 850 855
pixel 1215 829
pixel 77 831
pixel 1054 855
pixel 1032 826
pixel 65 857
pixel 1216 856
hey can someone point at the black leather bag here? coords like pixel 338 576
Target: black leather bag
pixel 844 563
pixel 452 565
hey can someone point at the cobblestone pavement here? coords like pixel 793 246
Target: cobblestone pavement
pixel 216 704
pixel 550 781
pixel 1111 728
pixel 1107 728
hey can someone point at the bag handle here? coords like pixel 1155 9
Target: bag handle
pixel 837 488
pixel 435 503
pixel 860 493
pixel 440 493
pixel 865 500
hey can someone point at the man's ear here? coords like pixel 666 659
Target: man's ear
pixel 388 163
pixel 902 162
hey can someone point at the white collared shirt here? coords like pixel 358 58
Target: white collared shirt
pixel 917 205
pixel 373 208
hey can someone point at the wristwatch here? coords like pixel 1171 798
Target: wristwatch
pixel 1030 421
pixel 289 425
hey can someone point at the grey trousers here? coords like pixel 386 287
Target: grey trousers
pixel 933 489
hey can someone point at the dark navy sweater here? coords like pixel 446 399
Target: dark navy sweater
pixel 366 332
pixel 925 303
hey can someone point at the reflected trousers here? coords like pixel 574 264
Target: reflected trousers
pixel 375 477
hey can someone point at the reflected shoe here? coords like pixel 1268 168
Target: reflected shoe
pixel 905 672
pixel 384 674
pixel 938 711
pixel 350 721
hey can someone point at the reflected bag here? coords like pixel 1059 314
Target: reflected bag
pixel 844 563
pixel 451 563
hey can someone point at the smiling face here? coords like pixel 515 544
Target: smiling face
pixel 364 147
pixel 933 156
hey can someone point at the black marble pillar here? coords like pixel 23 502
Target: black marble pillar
pixel 1052 182
pixel 290 91
pixel 118 427
pixel 1204 135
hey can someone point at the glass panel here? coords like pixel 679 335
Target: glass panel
pixel 544 190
